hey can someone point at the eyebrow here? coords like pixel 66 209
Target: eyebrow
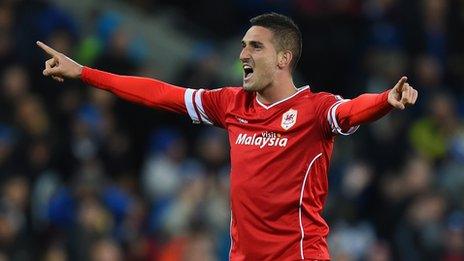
pixel 253 43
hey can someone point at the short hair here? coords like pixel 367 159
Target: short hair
pixel 287 35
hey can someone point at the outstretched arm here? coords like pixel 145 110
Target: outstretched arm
pixel 141 90
pixel 146 91
pixel 370 107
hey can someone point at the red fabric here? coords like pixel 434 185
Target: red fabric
pixel 362 109
pixel 279 155
pixel 146 91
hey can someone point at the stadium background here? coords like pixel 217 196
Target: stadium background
pixel 86 176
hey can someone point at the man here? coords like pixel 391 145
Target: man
pixel 281 137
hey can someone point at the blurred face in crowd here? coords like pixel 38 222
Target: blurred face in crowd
pixel 259 58
pixel 15 82
pixel 106 250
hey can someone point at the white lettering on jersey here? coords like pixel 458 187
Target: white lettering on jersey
pixel 241 120
pixel 265 139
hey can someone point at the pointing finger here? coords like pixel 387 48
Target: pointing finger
pixel 400 84
pixel 47 49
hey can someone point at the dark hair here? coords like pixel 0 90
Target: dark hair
pixel 287 35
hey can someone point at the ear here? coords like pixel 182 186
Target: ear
pixel 284 58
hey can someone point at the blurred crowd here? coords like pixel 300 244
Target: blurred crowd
pixel 86 176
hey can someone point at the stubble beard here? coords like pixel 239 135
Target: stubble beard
pixel 257 84
pixel 248 87
pixel 253 87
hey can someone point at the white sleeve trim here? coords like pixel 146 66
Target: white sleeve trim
pixel 188 97
pixel 194 106
pixel 332 119
pixel 199 104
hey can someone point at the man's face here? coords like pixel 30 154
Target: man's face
pixel 259 58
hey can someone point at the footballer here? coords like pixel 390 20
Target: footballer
pixel 281 137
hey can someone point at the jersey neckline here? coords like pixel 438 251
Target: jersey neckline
pixel 267 107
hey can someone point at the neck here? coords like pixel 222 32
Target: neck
pixel 276 91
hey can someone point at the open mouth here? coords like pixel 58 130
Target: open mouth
pixel 248 72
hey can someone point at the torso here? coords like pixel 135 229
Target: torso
pixel 272 148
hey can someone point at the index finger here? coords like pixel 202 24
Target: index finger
pixel 400 83
pixel 47 48
pixel 402 80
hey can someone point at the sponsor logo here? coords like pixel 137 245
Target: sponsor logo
pixel 241 120
pixel 265 139
pixel 289 119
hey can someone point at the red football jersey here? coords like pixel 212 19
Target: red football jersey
pixel 280 157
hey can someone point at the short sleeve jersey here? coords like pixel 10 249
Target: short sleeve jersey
pixel 280 157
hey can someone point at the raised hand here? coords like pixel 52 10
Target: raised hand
pixel 59 66
pixel 402 95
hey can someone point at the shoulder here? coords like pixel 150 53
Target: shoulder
pixel 314 97
pixel 325 98
pixel 233 93
pixel 225 92
pixel 322 96
pixel 227 89
pixel 226 96
pixel 321 102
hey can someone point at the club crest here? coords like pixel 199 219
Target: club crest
pixel 289 119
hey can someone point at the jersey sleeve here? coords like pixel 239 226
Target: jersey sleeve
pixel 365 108
pixel 203 106
pixel 145 91
pixel 209 106
pixel 327 106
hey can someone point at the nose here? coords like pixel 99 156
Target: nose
pixel 244 54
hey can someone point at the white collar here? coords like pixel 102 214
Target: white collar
pixel 285 99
